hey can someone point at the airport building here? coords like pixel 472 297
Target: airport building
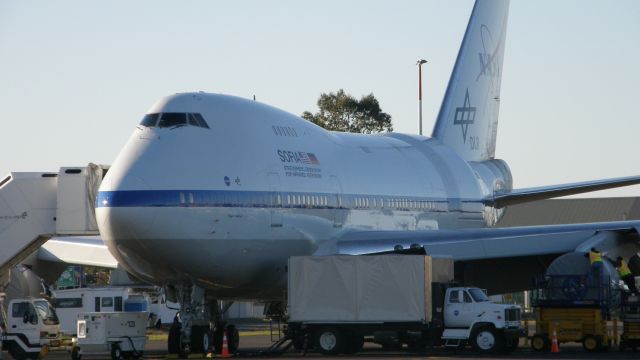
pixel 571 211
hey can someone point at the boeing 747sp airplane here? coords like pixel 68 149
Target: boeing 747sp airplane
pixel 213 193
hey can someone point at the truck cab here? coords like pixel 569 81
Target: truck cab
pixel 32 324
pixel 470 316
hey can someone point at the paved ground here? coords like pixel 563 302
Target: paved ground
pixel 255 338
pixel 252 343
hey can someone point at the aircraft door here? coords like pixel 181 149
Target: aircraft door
pixel 335 202
pixel 275 199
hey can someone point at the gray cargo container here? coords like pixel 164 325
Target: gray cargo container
pixel 383 288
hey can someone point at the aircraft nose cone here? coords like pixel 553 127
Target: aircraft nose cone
pixel 124 222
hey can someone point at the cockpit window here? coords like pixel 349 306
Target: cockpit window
pixel 150 120
pixel 196 119
pixel 173 119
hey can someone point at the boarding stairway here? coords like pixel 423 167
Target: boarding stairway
pixel 35 207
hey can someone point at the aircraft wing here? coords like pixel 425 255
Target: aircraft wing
pixel 77 250
pixel 518 196
pixel 507 258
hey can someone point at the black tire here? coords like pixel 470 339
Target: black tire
pixel 591 343
pixel 197 339
pixel 207 344
pixel 510 345
pixel 486 340
pixel 233 339
pixel 116 352
pixel 184 348
pixel 329 341
pixel 75 353
pixel 218 335
pixel 16 352
pixel 173 341
pixel 540 342
pixel 298 343
pixel 354 344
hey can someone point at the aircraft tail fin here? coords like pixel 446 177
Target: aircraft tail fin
pixel 468 118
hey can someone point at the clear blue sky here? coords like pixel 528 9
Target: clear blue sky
pixel 76 76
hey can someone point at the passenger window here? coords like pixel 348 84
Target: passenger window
pixel 149 120
pixel 467 298
pixel 172 119
pixel 454 297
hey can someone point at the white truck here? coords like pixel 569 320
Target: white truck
pixel 334 302
pixel 31 326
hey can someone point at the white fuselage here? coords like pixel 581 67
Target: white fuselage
pixel 224 207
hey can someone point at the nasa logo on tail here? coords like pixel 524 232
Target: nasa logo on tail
pixel 488 65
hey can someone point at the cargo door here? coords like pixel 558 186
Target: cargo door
pixel 335 201
pixel 275 199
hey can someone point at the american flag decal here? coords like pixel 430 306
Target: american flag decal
pixel 308 158
pixel 313 159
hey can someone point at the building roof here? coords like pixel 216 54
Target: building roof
pixel 571 211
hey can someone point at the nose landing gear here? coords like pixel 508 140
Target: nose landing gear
pixel 199 327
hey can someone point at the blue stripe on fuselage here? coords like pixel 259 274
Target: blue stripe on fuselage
pixel 270 199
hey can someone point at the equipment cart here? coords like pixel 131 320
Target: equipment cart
pixel 576 309
pixel 630 322
pixel 120 334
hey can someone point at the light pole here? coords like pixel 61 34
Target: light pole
pixel 419 63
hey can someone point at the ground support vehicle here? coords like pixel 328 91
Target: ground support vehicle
pixel 32 326
pixel 119 334
pixel 334 302
pixel 576 309
pixel 630 338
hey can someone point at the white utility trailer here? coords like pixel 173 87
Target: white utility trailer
pixel 120 334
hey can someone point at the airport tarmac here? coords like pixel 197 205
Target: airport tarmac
pixel 252 343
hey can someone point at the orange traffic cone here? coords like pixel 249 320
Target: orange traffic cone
pixel 554 343
pixel 225 347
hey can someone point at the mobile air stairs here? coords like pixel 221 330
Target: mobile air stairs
pixel 35 207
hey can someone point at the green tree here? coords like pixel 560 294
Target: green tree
pixel 342 112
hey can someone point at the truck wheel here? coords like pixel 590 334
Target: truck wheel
pixel 16 352
pixel 75 353
pixel 510 346
pixel 540 343
pixel 486 340
pixel 354 344
pixel 591 343
pixel 116 353
pixel 329 341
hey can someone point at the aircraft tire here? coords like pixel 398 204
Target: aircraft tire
pixel 173 341
pixel 197 335
pixel 233 338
